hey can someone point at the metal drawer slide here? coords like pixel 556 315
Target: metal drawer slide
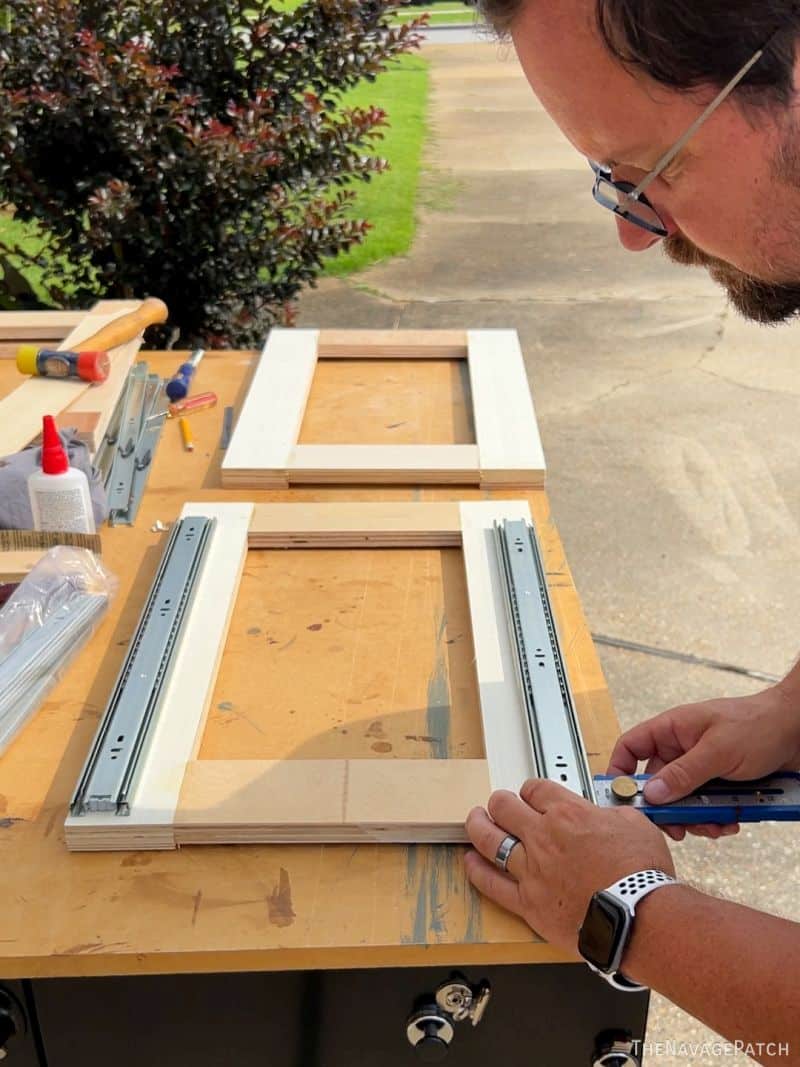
pixel 110 770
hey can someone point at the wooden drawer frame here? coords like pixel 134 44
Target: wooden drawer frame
pixel 181 800
pixel 264 452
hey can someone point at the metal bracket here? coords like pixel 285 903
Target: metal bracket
pixel 119 481
pixel 136 434
pixel 461 1000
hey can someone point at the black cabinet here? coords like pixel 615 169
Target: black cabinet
pixel 548 1015
pixel 551 1014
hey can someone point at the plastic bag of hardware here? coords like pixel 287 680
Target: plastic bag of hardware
pixel 44 624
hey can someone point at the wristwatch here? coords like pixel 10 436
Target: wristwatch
pixel 608 925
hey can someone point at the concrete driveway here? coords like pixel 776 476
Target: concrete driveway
pixel 671 427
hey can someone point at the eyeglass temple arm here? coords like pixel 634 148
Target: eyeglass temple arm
pixel 668 156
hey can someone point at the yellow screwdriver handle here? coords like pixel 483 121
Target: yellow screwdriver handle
pixel 126 327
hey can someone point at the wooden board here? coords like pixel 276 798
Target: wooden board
pixel 397 524
pixel 384 464
pixel 22 410
pixel 392 344
pixel 23 326
pixel 254 801
pixel 265 451
pixel 269 424
pixel 505 421
pixel 47 328
pixel 345 801
pixel 58 322
pixel 16 565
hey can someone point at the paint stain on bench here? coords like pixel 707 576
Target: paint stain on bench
pixel 279 902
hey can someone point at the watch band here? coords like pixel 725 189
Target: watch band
pixel 629 891
pixel 634 887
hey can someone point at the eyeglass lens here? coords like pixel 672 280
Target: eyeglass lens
pixel 637 211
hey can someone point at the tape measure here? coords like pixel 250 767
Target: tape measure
pixel 772 799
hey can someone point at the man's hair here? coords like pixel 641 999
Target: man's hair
pixel 688 44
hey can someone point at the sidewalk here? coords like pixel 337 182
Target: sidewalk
pixel 670 427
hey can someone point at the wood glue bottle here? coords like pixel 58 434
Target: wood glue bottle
pixel 59 494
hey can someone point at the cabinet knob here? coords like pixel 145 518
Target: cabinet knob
pixel 430 1034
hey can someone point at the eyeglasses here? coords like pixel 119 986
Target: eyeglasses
pixel 628 200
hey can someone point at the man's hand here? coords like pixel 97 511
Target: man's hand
pixel 569 849
pixel 746 737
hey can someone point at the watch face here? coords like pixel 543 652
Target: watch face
pixel 602 931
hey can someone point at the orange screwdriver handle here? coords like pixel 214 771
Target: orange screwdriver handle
pixel 126 327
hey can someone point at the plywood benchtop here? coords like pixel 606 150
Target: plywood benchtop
pixel 330 656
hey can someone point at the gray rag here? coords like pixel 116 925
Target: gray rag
pixel 15 508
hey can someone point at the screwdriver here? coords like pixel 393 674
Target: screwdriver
pixel 178 385
pixel 198 402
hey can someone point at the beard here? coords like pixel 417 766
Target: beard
pixel 764 302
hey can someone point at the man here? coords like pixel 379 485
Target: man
pixel 688 115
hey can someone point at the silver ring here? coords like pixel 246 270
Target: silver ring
pixel 503 854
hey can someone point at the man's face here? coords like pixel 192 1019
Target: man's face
pixel 731 199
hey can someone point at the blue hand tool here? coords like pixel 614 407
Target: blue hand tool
pixel 178 385
pixel 772 799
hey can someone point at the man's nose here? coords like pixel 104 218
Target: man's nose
pixel 635 238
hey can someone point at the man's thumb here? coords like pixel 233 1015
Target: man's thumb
pixel 681 777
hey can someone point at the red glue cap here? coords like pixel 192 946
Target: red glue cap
pixel 93 366
pixel 54 458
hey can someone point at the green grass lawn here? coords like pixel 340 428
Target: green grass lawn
pixel 15 234
pixel 444 14
pixel 388 200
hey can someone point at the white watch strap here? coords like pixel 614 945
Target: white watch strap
pixel 634 887
pixel 629 891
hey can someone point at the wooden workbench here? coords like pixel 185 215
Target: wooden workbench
pixel 329 654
